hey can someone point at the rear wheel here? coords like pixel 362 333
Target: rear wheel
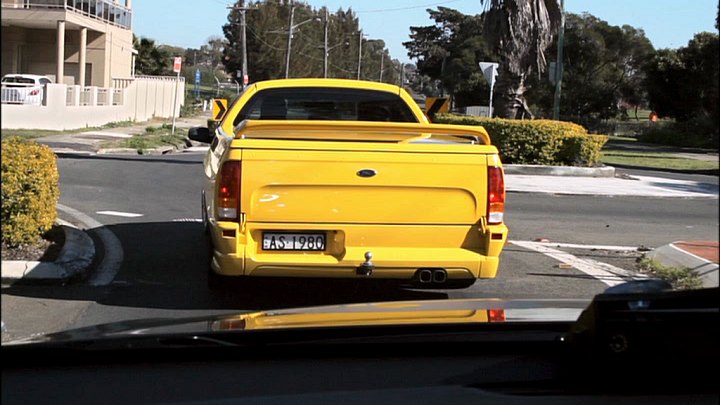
pixel 215 282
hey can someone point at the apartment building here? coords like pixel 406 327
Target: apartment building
pixel 73 42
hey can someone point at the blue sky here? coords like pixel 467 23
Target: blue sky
pixel 188 23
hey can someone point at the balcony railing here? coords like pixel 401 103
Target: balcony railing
pixel 104 10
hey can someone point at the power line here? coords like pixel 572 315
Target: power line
pixel 259 38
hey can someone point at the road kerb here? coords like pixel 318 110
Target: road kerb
pixel 671 255
pixel 542 170
pixel 73 261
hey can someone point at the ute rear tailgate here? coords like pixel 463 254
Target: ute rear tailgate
pixel 363 173
pixel 343 183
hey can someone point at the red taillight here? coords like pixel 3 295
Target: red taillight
pixel 35 92
pixel 228 195
pixel 496 315
pixel 496 195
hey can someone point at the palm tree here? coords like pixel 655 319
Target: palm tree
pixel 520 31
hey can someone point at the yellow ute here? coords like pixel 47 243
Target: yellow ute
pixel 346 179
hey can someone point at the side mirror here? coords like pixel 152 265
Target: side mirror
pixel 200 134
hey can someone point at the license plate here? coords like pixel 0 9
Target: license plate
pixel 293 241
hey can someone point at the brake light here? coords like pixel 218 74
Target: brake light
pixel 496 315
pixel 35 92
pixel 228 191
pixel 496 195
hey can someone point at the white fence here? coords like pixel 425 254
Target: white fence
pixel 22 95
pixel 477 110
pixel 62 107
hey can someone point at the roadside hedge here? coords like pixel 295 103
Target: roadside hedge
pixel 536 142
pixel 30 191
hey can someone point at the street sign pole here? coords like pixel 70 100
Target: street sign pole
pixel 489 71
pixel 177 65
pixel 197 83
pixel 559 65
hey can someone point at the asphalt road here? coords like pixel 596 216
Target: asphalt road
pixel 163 271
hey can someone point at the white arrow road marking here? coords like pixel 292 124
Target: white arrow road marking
pixel 120 214
pixel 604 272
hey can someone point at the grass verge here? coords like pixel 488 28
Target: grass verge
pixel 39 133
pixel 658 160
pixel 154 137
pixel 681 278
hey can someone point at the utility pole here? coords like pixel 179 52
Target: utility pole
pixel 559 63
pixel 402 74
pixel 244 41
pixel 243 37
pixel 325 45
pixel 289 41
pixel 359 53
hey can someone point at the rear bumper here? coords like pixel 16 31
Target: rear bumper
pixel 398 251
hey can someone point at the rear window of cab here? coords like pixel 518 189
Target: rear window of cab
pixel 325 103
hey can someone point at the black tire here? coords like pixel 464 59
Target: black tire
pixel 216 282
pixel 205 222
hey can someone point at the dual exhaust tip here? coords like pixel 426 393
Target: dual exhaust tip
pixel 427 276
pixel 424 276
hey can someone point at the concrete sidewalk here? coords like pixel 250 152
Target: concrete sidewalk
pixel 90 142
pixel 619 185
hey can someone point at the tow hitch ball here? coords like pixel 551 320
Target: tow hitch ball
pixel 367 267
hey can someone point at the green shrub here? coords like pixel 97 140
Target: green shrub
pixel 29 191
pixel 696 133
pixel 190 108
pixel 537 142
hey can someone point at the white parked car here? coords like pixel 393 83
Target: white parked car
pixel 23 88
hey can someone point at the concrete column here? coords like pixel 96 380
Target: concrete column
pixel 93 99
pixel 60 72
pixel 76 95
pixel 83 50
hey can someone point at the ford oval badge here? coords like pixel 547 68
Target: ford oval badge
pixel 366 173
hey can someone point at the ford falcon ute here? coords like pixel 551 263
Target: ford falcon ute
pixel 329 178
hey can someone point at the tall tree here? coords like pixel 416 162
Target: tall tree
pixel 683 83
pixel 602 69
pixel 519 31
pixel 449 52
pixel 267 35
pixel 151 59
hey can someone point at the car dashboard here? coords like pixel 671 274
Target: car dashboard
pixel 624 348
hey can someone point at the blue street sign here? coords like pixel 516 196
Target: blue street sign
pixel 197 82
